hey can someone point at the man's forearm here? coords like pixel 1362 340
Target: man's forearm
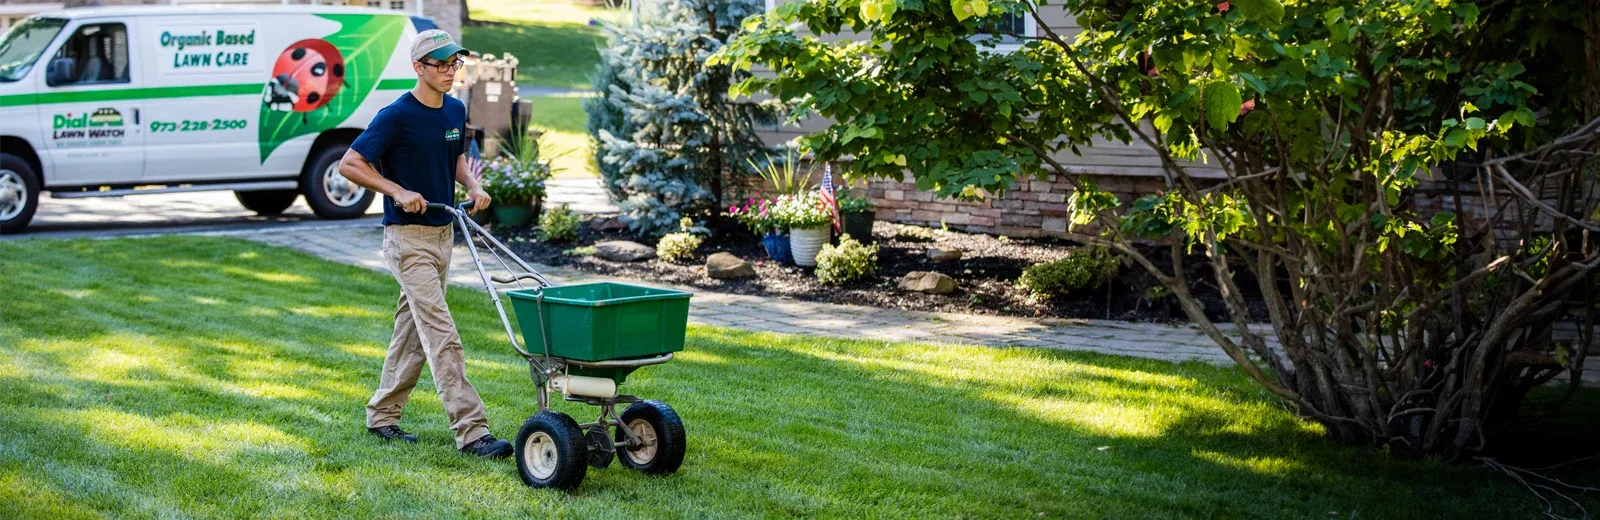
pixel 464 177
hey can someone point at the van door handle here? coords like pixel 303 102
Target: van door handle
pixel 136 116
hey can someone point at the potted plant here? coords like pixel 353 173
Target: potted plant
pixel 758 215
pixel 516 192
pixel 515 180
pixel 856 216
pixel 808 223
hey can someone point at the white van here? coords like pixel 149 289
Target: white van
pixel 259 100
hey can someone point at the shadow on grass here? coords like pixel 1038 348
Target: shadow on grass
pixel 114 405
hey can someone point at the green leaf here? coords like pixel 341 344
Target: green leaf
pixel 1475 123
pixel 1261 10
pixel 965 9
pixel 1525 116
pixel 1241 47
pixel 871 11
pixel 1333 15
pixel 1163 122
pixel 366 42
pixel 1222 103
pixel 878 10
pixel 1254 82
pixel 1456 137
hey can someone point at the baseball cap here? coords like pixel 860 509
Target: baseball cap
pixel 435 44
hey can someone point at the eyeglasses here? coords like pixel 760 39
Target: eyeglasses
pixel 444 66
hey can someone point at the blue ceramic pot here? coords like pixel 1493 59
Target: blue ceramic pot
pixel 777 245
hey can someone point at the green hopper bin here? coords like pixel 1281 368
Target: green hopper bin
pixel 602 321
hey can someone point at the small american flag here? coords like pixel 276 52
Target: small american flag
pixel 475 162
pixel 827 194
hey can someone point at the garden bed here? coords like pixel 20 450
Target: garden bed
pixel 985 275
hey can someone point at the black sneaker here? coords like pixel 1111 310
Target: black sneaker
pixel 489 447
pixel 392 432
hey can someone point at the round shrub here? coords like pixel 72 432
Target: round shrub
pixel 559 224
pixel 1084 267
pixel 680 246
pixel 846 262
pixel 677 247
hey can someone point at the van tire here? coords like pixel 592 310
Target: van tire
pixel 267 203
pixel 314 183
pixel 15 172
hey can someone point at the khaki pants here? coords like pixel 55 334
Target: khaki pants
pixel 419 257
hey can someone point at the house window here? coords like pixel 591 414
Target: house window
pixel 398 5
pixel 1008 31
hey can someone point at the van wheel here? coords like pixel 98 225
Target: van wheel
pixel 267 203
pixel 19 193
pixel 330 195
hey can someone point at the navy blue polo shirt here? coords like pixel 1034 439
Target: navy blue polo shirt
pixel 416 146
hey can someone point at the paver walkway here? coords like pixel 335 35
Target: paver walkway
pixel 581 194
pixel 360 246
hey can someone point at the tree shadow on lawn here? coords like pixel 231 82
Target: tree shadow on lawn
pixel 205 408
pixel 1191 440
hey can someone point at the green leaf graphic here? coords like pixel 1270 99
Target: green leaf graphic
pixel 366 42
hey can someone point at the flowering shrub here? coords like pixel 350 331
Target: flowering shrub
pixel 756 214
pixel 509 182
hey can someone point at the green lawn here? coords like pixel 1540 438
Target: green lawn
pixel 555 47
pixel 183 376
pixel 566 139
pixel 554 44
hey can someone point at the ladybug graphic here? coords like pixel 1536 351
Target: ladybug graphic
pixel 306 76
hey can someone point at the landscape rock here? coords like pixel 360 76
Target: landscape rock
pixel 941 254
pixel 607 224
pixel 624 251
pixel 927 282
pixel 725 266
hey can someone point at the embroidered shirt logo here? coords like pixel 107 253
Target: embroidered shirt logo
pixel 454 134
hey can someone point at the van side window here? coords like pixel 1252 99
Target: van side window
pixel 99 54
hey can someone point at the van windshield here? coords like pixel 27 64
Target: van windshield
pixel 21 46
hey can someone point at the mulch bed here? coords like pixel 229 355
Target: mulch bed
pixel 985 275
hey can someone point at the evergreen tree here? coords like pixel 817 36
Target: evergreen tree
pixel 666 131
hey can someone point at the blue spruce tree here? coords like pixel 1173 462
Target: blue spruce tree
pixel 666 132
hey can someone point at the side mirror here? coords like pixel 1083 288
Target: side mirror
pixel 60 71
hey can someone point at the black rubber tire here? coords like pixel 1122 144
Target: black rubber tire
pixel 671 441
pixel 566 444
pixel 30 183
pixel 317 198
pixel 267 203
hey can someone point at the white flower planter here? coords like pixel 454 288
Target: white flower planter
pixel 805 243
